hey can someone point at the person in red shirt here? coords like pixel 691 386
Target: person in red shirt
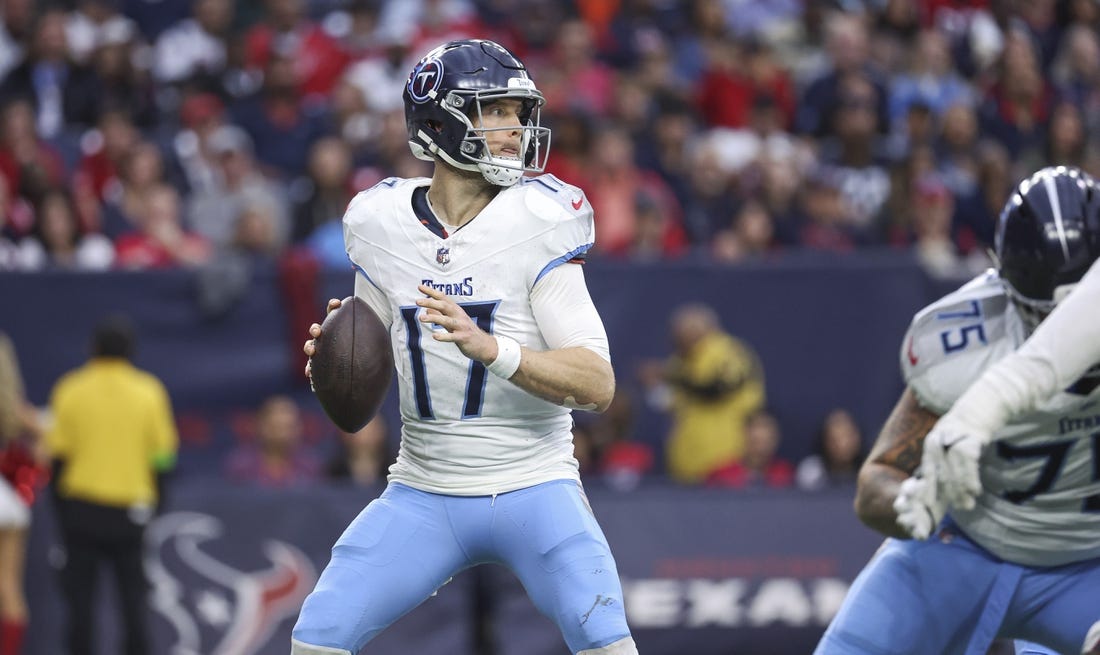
pixel 318 59
pixel 161 241
pixel 759 466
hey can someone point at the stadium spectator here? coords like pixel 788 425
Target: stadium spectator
pixel 1064 143
pixel 141 171
pixel 704 28
pixel 315 60
pixel 758 465
pixel 575 79
pixel 955 148
pixel 29 164
pixel 103 152
pixel 751 234
pixel 359 36
pixel 20 474
pixel 847 52
pixel 326 191
pixel 666 144
pixel 1018 103
pixel 112 439
pixel 58 241
pixel 837 454
pixel 776 181
pixel 363 457
pixel 855 152
pixel 196 165
pixel 214 212
pixel 1076 72
pixel 91 23
pixel 933 205
pixel 15 24
pixel 978 211
pixel 608 447
pixel 738 74
pixel 64 94
pixel 428 23
pixel 125 84
pixel 621 459
pixel 161 241
pixel 274 456
pixel 614 184
pixel 282 126
pixel 194 52
pixel 711 383
pixel 823 219
pixel 573 134
pixel 380 79
pixel 931 80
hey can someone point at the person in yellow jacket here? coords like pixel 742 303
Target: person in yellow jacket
pixel 711 383
pixel 112 439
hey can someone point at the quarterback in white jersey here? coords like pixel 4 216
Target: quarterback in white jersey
pixel 468 432
pixel 1022 560
pixel 495 341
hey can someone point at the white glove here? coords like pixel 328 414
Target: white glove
pixel 951 453
pixel 919 507
pixel 1092 641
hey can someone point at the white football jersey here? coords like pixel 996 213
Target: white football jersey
pixel 1040 501
pixel 466 431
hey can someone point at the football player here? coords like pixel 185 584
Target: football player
pixel 1023 559
pixel 496 340
pixel 1062 349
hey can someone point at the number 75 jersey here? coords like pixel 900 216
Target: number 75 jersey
pixel 1040 500
pixel 466 431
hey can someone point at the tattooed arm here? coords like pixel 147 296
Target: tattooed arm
pixel 894 457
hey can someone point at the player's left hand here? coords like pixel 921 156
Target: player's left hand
pixel 458 327
pixel 951 453
pixel 919 506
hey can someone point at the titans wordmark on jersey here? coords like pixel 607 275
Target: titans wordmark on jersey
pixel 466 431
pixel 1040 501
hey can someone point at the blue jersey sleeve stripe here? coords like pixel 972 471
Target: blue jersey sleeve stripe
pixel 364 274
pixel 561 260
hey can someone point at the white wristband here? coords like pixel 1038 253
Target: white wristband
pixel 508 356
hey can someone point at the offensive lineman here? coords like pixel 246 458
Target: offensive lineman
pixel 1023 560
pixel 1063 347
pixel 495 340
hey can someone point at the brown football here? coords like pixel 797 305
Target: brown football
pixel 352 364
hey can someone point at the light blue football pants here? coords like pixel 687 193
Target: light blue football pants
pixel 949 596
pixel 407 543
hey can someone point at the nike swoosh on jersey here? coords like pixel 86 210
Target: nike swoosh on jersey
pixel 913 359
pixel 577 203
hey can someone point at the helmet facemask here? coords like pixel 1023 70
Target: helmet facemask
pixel 1033 311
pixel 474 153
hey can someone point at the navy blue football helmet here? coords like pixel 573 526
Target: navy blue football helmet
pixel 1048 236
pixel 446 90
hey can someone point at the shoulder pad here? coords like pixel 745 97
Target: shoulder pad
pixel 386 199
pixel 571 231
pixel 953 340
pixel 551 199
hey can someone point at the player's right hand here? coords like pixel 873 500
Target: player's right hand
pixel 315 331
pixel 919 507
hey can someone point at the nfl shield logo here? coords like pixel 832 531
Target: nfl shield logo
pixel 443 256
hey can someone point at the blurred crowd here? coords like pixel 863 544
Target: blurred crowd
pixel 144 134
